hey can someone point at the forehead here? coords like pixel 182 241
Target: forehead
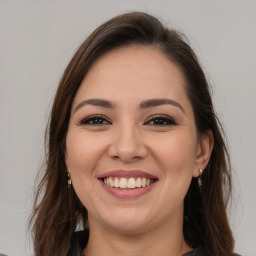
pixel 135 72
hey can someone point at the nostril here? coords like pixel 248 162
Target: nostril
pixel 127 148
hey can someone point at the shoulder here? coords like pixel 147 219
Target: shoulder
pixel 199 251
pixel 78 242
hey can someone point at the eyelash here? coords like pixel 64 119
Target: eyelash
pixel 164 120
pixel 90 119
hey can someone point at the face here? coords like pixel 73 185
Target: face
pixel 132 145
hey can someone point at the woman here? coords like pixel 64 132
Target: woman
pixel 135 151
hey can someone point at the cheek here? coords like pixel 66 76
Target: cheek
pixel 176 153
pixel 176 157
pixel 83 153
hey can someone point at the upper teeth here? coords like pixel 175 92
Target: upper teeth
pixel 127 182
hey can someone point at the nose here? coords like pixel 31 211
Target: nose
pixel 127 145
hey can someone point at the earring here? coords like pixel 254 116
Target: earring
pixel 69 181
pixel 200 184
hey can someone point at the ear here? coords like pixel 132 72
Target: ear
pixel 203 152
pixel 66 160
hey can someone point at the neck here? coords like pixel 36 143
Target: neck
pixel 163 240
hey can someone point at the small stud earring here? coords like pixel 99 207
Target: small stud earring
pixel 200 184
pixel 69 181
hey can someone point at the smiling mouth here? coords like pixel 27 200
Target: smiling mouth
pixel 128 183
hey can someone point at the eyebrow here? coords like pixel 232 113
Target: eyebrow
pixel 95 102
pixel 144 104
pixel 158 102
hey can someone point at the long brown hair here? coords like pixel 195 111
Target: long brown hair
pixel 57 209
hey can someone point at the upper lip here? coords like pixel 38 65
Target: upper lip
pixel 127 174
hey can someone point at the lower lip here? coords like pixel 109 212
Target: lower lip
pixel 127 193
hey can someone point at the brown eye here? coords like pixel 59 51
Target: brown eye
pixel 161 121
pixel 94 120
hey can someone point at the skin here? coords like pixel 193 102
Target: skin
pixel 129 138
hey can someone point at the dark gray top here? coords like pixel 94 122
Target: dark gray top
pixel 80 239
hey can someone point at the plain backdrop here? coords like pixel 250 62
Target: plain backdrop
pixel 38 38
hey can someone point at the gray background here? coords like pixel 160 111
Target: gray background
pixel 37 39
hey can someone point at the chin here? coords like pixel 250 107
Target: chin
pixel 128 227
pixel 128 222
